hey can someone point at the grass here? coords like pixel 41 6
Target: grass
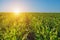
pixel 29 26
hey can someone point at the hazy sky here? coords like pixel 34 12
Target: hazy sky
pixel 30 5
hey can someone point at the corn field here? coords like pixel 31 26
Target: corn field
pixel 30 26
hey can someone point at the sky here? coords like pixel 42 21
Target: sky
pixel 30 5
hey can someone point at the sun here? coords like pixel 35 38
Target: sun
pixel 16 11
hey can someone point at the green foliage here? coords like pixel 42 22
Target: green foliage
pixel 44 26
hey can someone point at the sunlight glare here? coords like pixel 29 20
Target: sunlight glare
pixel 16 11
